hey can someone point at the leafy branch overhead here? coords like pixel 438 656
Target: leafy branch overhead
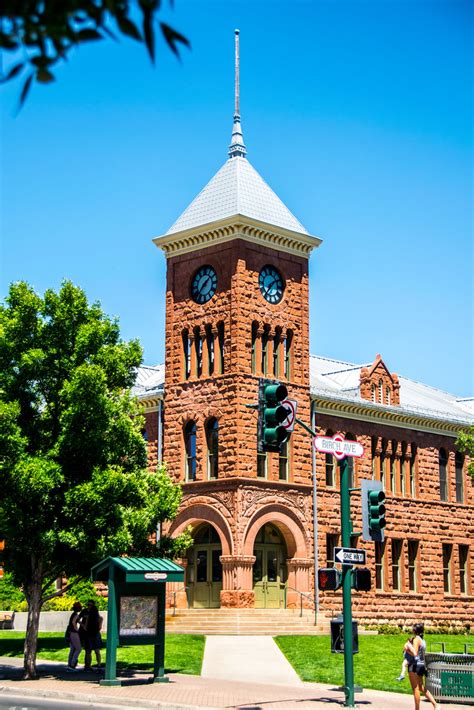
pixel 41 33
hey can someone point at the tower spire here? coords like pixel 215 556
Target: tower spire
pixel 237 145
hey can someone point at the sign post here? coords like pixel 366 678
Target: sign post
pixel 342 448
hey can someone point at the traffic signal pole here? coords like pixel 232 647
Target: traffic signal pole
pixel 346 530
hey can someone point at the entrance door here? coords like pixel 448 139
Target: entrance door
pixel 204 573
pixel 207 576
pixel 269 570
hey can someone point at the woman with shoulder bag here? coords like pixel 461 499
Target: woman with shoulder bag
pixel 417 668
pixel 75 646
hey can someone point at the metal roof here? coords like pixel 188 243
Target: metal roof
pixel 340 380
pixel 138 564
pixel 237 189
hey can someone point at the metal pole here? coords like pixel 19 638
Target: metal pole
pixel 346 587
pixel 315 526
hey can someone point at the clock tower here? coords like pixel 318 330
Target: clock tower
pixel 237 312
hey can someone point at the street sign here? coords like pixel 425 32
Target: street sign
pixel 291 405
pixel 349 556
pixel 338 446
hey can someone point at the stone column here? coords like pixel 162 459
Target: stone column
pixel 299 578
pixel 175 591
pixel 237 584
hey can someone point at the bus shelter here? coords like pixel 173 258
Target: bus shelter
pixel 136 607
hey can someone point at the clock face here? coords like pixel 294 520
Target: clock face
pixel 271 284
pixel 203 285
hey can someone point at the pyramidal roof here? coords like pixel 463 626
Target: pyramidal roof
pixel 237 189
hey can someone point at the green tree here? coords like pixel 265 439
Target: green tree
pixel 74 483
pixel 465 444
pixel 43 32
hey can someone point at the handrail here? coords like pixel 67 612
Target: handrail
pixel 174 593
pixel 302 594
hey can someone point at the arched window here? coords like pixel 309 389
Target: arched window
pixel 276 352
pixel 186 354
pixel 265 339
pixel 190 450
pixel 220 337
pixel 330 466
pixel 403 469
pixel 413 463
pixel 458 468
pixel 383 463
pixel 210 349
pixel 373 392
pixel 254 346
pixel 288 344
pixel 212 440
pixel 380 391
pixel 387 395
pixel 393 466
pixel 198 350
pixel 443 475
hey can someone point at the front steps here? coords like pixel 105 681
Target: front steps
pixel 245 622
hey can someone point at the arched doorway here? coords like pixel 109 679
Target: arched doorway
pixel 269 570
pixel 204 570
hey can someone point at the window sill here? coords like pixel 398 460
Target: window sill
pixel 410 595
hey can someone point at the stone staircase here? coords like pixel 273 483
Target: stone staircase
pixel 245 622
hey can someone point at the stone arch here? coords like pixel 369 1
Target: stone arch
pixel 204 513
pixel 287 523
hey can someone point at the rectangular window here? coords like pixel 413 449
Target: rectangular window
pixel 464 569
pixel 330 471
pixel 379 566
pixel 383 460
pixel 264 362
pixel 413 565
pixel 459 461
pixel 198 351
pixel 186 355
pixel 276 355
pixel 288 343
pixel 447 569
pixel 283 463
pixel 331 543
pixel 413 472
pixel 262 465
pixel 210 349
pixel 393 473
pixel 396 565
pixel 254 348
pixel 403 476
pixel 220 337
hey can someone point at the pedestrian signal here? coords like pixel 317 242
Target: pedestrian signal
pixel 329 579
pixel 361 580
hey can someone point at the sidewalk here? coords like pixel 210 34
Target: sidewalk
pixel 185 692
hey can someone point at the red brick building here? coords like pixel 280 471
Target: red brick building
pixel 237 311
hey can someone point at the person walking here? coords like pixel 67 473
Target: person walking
pixel 75 646
pixel 417 668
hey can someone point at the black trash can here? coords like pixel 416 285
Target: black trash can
pixel 337 636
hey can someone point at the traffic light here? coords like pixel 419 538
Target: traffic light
pixel 361 581
pixel 329 579
pixel 373 510
pixel 271 434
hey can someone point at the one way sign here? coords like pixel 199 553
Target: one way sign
pixel 349 556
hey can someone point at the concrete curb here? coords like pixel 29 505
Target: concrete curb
pixel 6 690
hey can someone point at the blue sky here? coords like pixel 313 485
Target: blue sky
pixel 358 115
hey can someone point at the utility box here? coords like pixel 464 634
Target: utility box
pixel 136 607
pixel 337 636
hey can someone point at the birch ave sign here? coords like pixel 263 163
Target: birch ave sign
pixel 338 446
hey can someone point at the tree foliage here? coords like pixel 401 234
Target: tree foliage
pixel 42 33
pixel 465 444
pixel 74 481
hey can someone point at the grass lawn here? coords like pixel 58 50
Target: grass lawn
pixel 376 666
pixel 183 652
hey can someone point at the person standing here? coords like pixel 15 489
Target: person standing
pixel 417 668
pixel 75 646
pixel 92 624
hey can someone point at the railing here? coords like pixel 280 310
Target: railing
pixel 174 593
pixel 467 646
pixel 302 594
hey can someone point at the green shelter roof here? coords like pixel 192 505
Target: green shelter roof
pixel 134 565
